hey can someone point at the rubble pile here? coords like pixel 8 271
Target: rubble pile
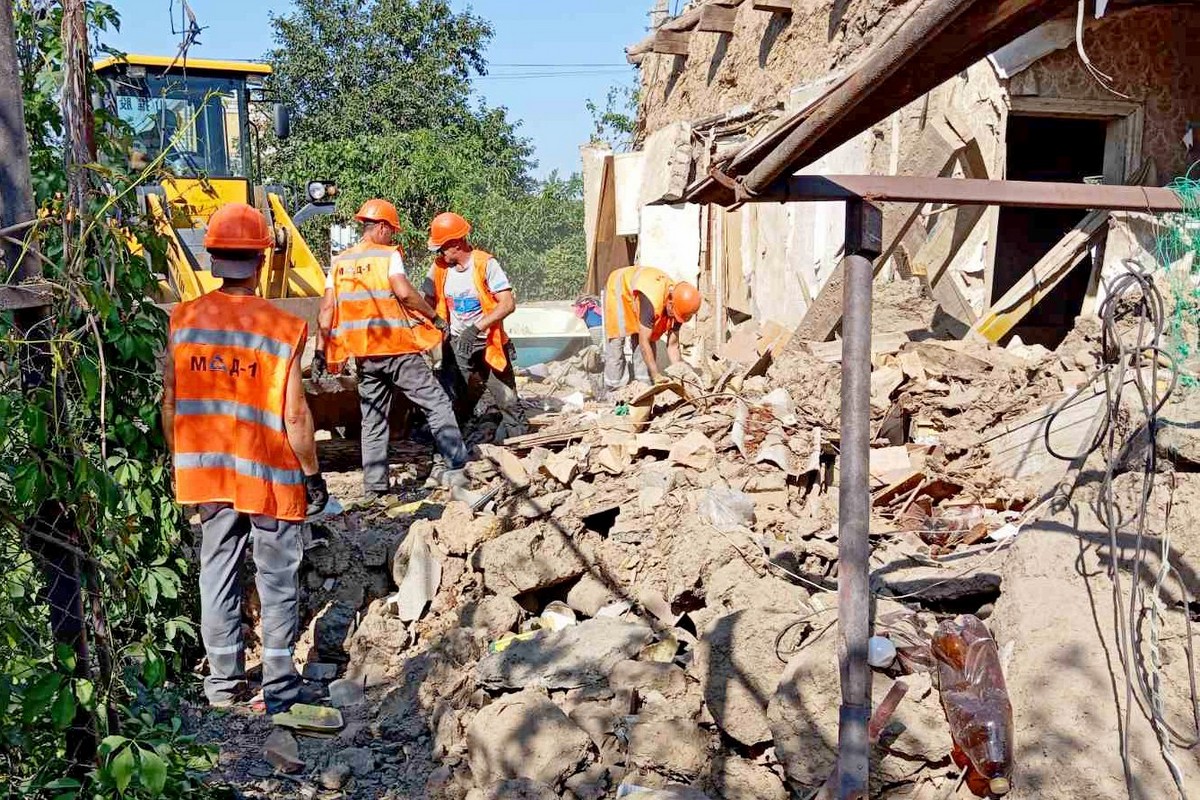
pixel 647 599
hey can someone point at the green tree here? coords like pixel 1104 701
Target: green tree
pixel 617 121
pixel 84 444
pixel 381 93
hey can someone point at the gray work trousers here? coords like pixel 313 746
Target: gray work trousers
pixel 278 549
pixel 377 379
pixel 617 367
pixel 466 383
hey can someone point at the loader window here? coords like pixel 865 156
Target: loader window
pixel 197 121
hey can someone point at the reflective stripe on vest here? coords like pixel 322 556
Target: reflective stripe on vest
pixel 495 354
pixel 369 319
pixel 231 442
pixel 242 466
pixel 620 310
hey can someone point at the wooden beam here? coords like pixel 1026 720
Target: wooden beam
pixel 1041 279
pixel 672 42
pixel 717 19
pixel 14 298
pixel 684 22
pixel 775 6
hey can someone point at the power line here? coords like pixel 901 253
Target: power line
pixel 549 64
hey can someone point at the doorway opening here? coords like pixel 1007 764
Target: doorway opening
pixel 1044 148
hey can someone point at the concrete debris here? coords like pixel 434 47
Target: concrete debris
pixel 536 557
pixel 360 760
pixel 282 752
pixel 524 735
pixel 422 575
pixel 695 451
pixel 497 614
pixel 460 530
pixel 590 595
pixel 334 777
pixel 693 544
pixel 519 789
pixel 346 693
pixel 575 656
pixel 674 747
pixel 739 670
pixel 735 778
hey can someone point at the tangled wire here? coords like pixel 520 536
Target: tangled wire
pixel 1137 359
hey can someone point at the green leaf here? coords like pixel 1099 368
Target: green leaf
pixel 154 772
pixel 110 743
pixel 154 669
pixel 63 709
pixel 65 655
pixel 38 696
pixel 35 421
pixel 85 692
pixel 150 589
pixel 121 768
pixel 63 783
pixel 29 483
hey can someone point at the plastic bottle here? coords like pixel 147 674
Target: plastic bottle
pixel 976 702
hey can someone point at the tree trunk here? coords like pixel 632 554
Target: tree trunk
pixel 60 568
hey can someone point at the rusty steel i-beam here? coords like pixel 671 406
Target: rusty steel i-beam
pixel 971 191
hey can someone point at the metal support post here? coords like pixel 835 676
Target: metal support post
pixel 864 234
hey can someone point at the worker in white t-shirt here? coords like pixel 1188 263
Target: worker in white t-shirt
pixel 468 287
pixel 372 312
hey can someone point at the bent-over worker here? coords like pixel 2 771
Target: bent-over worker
pixel 239 428
pixel 642 304
pixel 468 287
pixel 372 312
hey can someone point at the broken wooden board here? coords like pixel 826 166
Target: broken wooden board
pixel 1019 450
pixel 717 19
pixel 881 344
pixel 1041 279
pixel 673 43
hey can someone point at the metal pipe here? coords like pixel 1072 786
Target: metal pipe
pixel 863 234
pixel 971 191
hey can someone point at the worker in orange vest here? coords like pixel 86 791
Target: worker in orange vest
pixel 468 287
pixel 641 304
pixel 372 312
pixel 239 428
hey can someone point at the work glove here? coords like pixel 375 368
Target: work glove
pixel 442 326
pixel 317 493
pixel 464 348
pixel 319 365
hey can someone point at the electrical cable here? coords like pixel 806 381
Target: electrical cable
pixel 1136 361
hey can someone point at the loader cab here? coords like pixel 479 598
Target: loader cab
pixel 196 114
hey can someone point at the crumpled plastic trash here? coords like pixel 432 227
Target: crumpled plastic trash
pixel 726 509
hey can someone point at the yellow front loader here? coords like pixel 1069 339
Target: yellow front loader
pixel 198 119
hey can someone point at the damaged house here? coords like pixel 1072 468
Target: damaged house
pixel 1110 100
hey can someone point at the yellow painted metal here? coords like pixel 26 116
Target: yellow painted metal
pixel 209 64
pixel 188 281
pixel 193 200
pixel 306 278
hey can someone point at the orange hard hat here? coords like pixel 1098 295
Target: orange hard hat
pixel 376 210
pixel 446 227
pixel 238 226
pixel 685 301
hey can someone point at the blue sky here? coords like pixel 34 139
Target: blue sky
pixel 548 100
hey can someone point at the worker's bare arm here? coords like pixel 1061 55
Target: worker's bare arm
pixel 297 419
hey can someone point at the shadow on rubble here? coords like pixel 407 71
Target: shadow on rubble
pixel 440 683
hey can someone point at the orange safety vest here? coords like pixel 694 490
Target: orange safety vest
pixel 232 359
pixel 369 319
pixel 495 354
pixel 621 316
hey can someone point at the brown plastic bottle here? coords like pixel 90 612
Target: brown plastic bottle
pixel 976 702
